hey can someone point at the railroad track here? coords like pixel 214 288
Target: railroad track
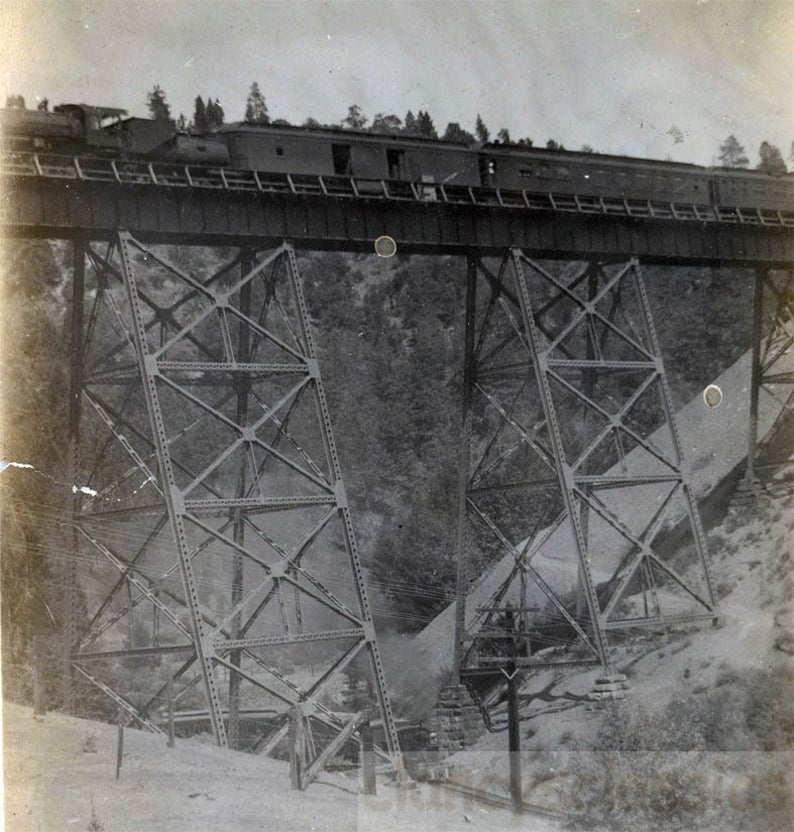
pixel 491 799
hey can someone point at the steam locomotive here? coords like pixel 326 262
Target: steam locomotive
pixel 77 129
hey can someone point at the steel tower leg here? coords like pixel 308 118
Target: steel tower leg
pixel 242 389
pixel 173 495
pixel 75 403
pixel 573 508
pixel 462 538
pixel 772 369
pixel 343 509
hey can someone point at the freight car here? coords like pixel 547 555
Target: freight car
pixel 298 150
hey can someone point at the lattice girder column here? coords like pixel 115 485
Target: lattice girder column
pixel 599 421
pixel 772 373
pixel 237 457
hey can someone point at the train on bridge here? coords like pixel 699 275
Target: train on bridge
pixel 81 130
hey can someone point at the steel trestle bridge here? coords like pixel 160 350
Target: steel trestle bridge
pixel 204 384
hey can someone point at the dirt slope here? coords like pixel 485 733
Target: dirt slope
pixel 720 696
pixel 53 778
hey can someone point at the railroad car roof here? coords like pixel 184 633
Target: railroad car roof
pixel 515 149
pixel 100 111
pixel 338 132
pixel 722 171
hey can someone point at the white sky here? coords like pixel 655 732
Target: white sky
pixel 616 75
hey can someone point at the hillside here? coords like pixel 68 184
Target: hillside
pixel 714 442
pixel 60 775
pixel 704 739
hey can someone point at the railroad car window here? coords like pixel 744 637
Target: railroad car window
pixel 525 171
pixel 492 167
pixel 279 150
pixel 341 157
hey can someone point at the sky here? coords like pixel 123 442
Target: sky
pixel 618 76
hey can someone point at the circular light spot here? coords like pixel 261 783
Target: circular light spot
pixel 712 396
pixel 385 246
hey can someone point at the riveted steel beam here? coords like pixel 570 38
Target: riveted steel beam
pixel 53 207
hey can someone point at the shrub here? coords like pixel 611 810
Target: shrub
pixel 671 768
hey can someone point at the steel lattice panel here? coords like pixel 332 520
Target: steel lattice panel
pixel 220 535
pixel 578 414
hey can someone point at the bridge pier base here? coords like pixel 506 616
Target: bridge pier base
pixel 456 719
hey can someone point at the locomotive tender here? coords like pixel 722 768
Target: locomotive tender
pixel 77 129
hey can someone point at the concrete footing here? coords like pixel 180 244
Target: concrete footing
pixel 608 689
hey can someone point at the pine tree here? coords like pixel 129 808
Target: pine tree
pixel 482 132
pixel 386 124
pixel 410 128
pixel 553 145
pixel 454 133
pixel 255 107
pixel 219 113
pixel 200 122
pixel 355 120
pixel 425 126
pixel 503 136
pixel 770 159
pixel 732 154
pixel 158 107
pixel 181 123
pixel 214 114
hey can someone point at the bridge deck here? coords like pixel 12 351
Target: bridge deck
pixel 67 197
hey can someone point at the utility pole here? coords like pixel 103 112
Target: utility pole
pixel 514 738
